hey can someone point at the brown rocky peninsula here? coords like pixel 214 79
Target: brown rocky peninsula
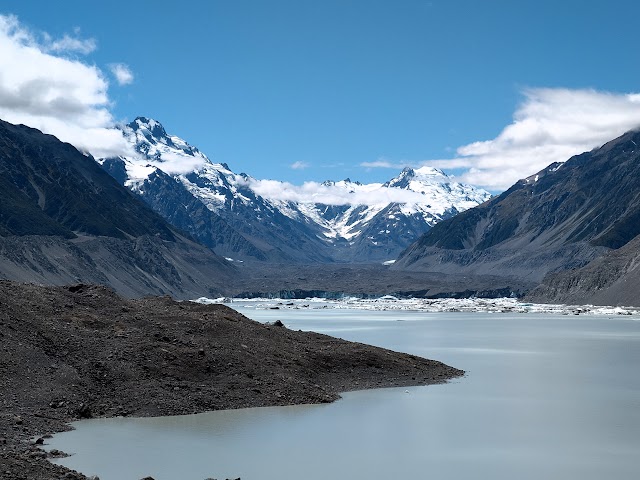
pixel 82 351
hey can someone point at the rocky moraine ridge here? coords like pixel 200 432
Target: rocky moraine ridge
pixel 82 351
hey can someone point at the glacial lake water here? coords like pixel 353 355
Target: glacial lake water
pixel 544 397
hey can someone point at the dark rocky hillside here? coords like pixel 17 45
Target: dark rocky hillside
pixel 63 219
pixel 170 198
pixel 146 265
pixel 53 189
pixel 559 219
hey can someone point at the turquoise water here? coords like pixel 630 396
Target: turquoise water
pixel 553 397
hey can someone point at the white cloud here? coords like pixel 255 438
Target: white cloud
pixel 61 96
pixel 173 164
pixel 551 125
pixel 45 42
pixel 122 72
pixel 299 165
pixel 347 194
pixel 383 163
pixel 69 44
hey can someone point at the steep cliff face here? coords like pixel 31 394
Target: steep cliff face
pixel 561 218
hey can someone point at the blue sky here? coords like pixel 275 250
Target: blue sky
pixel 361 88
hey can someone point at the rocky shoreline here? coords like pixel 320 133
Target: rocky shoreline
pixel 82 351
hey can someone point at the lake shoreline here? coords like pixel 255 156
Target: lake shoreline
pixel 83 352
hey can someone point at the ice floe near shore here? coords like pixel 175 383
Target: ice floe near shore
pixel 388 302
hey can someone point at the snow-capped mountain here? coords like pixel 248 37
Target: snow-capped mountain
pixel 376 221
pixel 245 218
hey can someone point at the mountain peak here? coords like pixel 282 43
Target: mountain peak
pixel 154 127
pixel 427 175
pixel 340 220
pixel 142 120
pixel 150 139
pixel 347 182
pixel 429 171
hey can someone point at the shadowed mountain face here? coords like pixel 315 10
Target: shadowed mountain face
pixel 64 219
pixel 52 189
pixel 613 279
pixel 561 218
pixel 171 199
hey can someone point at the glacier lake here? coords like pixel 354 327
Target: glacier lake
pixel 545 396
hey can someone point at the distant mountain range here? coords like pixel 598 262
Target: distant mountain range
pixel 343 221
pixel 570 233
pixel 573 226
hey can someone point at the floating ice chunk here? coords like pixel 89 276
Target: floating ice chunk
pixel 209 301
pixel 391 303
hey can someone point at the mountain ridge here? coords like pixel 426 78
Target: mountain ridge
pixel 63 219
pixel 52 179
pixel 319 229
pixel 564 218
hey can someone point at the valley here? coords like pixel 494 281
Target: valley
pixel 227 227
pixel 170 221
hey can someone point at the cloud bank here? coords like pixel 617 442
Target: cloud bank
pixel 351 194
pixel 551 125
pixel 42 87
